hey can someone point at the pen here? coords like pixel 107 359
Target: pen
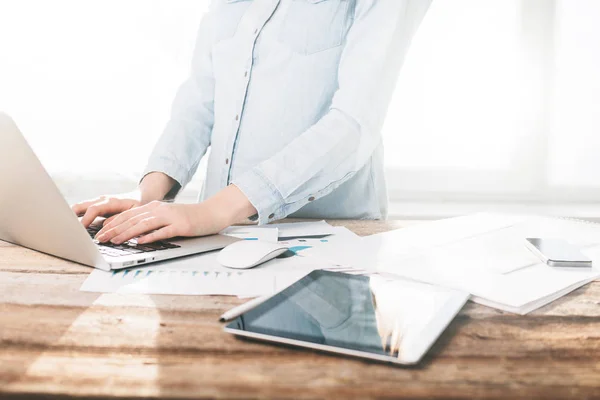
pixel 239 310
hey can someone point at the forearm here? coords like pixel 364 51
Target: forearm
pixel 308 168
pixel 229 206
pixel 155 186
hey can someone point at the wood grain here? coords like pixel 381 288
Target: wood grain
pixel 58 342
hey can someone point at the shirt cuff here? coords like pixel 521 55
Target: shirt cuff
pixel 263 195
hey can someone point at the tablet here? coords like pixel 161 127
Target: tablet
pixel 374 317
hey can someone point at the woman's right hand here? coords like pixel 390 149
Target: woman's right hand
pixel 106 206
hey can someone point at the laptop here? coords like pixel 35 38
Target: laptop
pixel 34 214
pixel 373 317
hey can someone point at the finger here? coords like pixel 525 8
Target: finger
pixel 80 208
pixel 128 214
pixel 109 220
pixel 164 233
pixel 94 211
pixel 122 218
pixel 105 234
pixel 143 226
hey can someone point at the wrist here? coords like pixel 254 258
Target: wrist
pixel 154 186
pixel 147 196
pixel 230 206
pixel 241 208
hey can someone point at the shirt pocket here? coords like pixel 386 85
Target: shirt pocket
pixel 311 26
pixel 228 15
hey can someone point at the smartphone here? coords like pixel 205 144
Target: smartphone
pixel 558 252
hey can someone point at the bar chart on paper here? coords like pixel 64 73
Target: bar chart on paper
pixel 200 275
pixel 203 275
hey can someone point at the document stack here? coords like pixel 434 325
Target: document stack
pixel 483 254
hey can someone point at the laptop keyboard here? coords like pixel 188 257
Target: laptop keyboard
pixel 128 248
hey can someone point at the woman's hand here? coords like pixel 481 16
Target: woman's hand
pixel 158 220
pixel 154 186
pixel 105 206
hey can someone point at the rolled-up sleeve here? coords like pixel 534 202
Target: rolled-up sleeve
pixel 341 143
pixel 187 135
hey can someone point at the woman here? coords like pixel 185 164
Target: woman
pixel 290 95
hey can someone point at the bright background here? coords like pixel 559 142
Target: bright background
pixel 497 107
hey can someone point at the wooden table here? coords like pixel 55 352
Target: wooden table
pixel 56 341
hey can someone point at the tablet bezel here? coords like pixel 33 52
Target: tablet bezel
pixel 447 314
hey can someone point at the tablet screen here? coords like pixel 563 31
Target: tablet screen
pixel 368 314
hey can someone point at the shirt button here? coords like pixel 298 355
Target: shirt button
pixel 226 161
pixel 271 216
pixel 237 117
pixel 311 198
pixel 246 74
pixel 256 31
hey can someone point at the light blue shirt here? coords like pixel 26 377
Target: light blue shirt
pixel 290 95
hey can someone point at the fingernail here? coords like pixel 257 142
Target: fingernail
pixel 115 241
pixel 100 238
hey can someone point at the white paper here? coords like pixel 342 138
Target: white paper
pixel 482 254
pixel 414 240
pixel 339 237
pixel 520 291
pixel 303 229
pixel 203 275
pixel 200 275
pixel 250 232
pixel 289 230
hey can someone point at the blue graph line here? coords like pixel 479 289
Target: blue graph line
pixel 138 273
pixel 297 249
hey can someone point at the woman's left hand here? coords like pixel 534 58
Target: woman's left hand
pixel 158 220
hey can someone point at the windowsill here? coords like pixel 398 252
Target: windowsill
pixel 437 210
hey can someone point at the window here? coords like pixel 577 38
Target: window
pixel 90 83
pixel 498 99
pixel 574 140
